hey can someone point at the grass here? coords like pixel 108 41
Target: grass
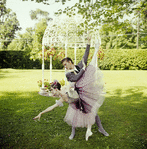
pixel 123 114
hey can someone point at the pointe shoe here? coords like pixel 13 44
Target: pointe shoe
pixel 103 132
pixel 71 137
pixel 88 134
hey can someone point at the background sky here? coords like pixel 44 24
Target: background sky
pixel 23 8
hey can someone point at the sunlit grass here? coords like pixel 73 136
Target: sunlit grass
pixel 123 114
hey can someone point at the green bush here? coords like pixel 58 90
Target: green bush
pixel 117 59
pixel 114 59
pixel 120 59
pixel 17 60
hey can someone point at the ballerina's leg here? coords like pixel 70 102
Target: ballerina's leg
pixel 93 61
pixel 88 132
pixel 98 121
pixel 72 133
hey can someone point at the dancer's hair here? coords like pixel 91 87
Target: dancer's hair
pixel 56 84
pixel 67 59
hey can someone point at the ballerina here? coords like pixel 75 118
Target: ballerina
pixel 83 104
pixel 68 64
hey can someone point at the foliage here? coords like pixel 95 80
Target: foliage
pixel 47 85
pixel 121 59
pixel 34 14
pixel 23 42
pixel 123 37
pixel 8 25
pixel 48 2
pixel 101 54
pixel 17 60
pixel 37 38
pixel 116 59
pixel 110 10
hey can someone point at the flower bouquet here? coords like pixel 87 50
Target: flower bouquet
pixel 47 85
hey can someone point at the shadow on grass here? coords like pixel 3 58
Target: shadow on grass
pixel 123 115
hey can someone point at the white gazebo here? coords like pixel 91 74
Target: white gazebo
pixel 63 32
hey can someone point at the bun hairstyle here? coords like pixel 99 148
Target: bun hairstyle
pixel 56 84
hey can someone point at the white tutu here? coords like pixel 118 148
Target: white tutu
pixel 90 88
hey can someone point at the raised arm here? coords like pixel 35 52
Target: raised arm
pixel 85 57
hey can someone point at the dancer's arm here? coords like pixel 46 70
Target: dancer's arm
pixel 85 57
pixel 74 78
pixel 47 110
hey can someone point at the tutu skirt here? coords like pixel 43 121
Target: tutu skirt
pixel 90 88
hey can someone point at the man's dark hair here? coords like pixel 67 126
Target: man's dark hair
pixel 67 59
pixel 56 84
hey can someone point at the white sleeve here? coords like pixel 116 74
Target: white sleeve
pixel 59 103
pixel 72 84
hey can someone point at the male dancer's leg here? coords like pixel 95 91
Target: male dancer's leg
pixel 101 129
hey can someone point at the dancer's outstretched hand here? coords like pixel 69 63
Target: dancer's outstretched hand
pixel 37 117
pixel 84 65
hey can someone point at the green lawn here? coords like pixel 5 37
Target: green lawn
pixel 123 114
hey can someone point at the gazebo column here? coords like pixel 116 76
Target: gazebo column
pixel 50 68
pixel 65 56
pixel 42 89
pixel 75 52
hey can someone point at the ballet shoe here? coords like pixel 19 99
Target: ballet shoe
pixel 103 132
pixel 88 134
pixel 71 137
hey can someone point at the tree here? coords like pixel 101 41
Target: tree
pixel 23 42
pixel 37 37
pixel 140 11
pixel 2 9
pixel 8 25
pixel 99 12
pixel 48 2
pixel 122 37
pixel 34 15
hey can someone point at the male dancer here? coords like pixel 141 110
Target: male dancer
pixel 72 77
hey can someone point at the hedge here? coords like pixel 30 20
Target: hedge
pixel 128 59
pixel 117 59
pixel 21 60
pixel 114 59
pixel 17 60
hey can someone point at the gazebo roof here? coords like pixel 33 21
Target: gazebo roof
pixel 64 31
